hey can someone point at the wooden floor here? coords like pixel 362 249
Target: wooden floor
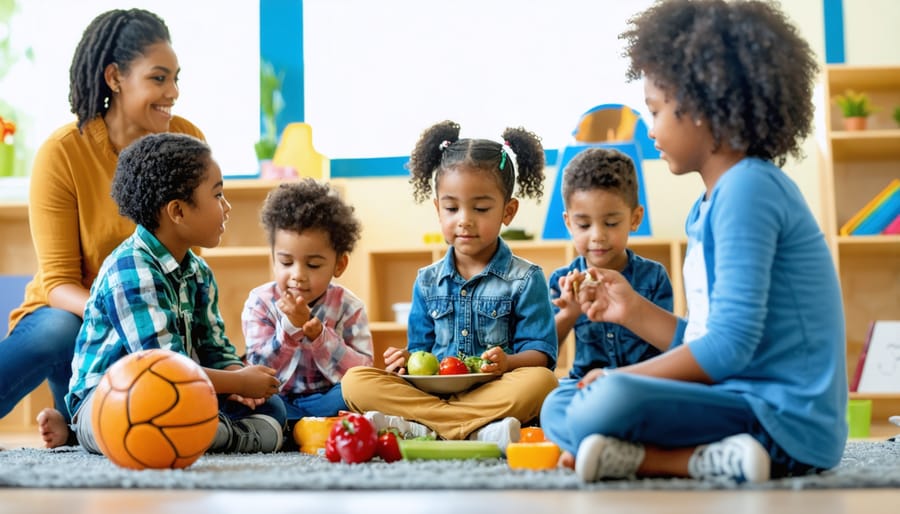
pixel 143 501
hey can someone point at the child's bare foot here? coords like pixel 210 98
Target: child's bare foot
pixel 566 460
pixel 53 428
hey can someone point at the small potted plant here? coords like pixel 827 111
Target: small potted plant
pixel 897 115
pixel 270 104
pixel 856 107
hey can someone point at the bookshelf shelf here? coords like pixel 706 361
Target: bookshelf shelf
pixel 856 166
pixel 866 145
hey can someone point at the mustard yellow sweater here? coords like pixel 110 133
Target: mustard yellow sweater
pixel 74 221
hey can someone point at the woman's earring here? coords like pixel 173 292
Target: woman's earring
pixel 106 102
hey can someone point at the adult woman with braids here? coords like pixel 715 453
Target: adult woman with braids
pixel 123 84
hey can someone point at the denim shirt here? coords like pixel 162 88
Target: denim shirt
pixel 506 305
pixel 610 345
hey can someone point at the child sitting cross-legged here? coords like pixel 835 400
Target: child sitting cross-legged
pixel 479 300
pixel 154 292
pixel 600 193
pixel 308 328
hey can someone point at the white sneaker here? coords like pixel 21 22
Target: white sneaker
pixel 739 458
pixel 602 457
pixel 408 429
pixel 502 432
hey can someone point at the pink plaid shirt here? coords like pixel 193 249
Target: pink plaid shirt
pixel 305 366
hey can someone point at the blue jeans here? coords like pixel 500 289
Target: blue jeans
pixel 659 412
pixel 316 404
pixel 39 347
pixel 273 407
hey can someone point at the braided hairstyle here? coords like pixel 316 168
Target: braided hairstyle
pixel 440 149
pixel 601 168
pixel 739 65
pixel 117 36
pixel 310 204
pixel 156 169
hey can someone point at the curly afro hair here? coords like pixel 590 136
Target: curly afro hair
pixel 601 168
pixel 739 65
pixel 439 149
pixel 310 204
pixel 156 169
pixel 118 36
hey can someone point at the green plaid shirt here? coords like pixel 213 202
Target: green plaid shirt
pixel 142 299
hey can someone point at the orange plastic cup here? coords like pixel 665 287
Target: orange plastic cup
pixel 535 456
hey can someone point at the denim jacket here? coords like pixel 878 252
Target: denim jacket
pixel 609 345
pixel 506 305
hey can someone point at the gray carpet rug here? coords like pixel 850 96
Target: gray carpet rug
pixel 864 465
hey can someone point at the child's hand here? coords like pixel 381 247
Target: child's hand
pixel 252 403
pixel 498 360
pixel 294 308
pixel 313 328
pixel 605 295
pixel 395 360
pixel 591 376
pixel 258 381
pixel 567 301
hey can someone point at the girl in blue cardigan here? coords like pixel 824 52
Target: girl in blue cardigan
pixel 752 385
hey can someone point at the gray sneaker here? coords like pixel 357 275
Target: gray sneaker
pixel 223 435
pixel 257 433
pixel 602 457
pixel 739 458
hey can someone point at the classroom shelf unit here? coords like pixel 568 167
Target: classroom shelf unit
pixel 855 166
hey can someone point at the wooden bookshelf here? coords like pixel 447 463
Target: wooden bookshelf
pixel 856 165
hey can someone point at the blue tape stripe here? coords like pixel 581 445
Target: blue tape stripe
pixel 391 166
pixel 833 11
pixel 281 43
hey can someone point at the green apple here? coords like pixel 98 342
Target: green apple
pixel 422 363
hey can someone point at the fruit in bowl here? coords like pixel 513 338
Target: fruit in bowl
pixel 422 363
pixel 453 366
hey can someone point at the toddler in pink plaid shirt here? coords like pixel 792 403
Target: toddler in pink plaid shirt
pixel 310 330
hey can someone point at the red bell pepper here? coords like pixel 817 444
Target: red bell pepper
pixel 354 439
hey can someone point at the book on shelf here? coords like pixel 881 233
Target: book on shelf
pixel 886 200
pixel 893 227
pixel 878 367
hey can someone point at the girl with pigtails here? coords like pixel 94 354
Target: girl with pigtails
pixel 479 300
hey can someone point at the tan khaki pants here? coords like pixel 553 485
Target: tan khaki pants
pixel 518 393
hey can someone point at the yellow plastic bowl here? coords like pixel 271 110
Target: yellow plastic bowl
pixel 311 433
pixel 535 456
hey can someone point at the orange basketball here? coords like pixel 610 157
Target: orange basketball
pixel 154 409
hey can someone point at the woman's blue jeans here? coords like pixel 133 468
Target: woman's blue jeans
pixel 39 348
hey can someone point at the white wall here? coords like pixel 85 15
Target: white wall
pixel 379 72
pixel 217 46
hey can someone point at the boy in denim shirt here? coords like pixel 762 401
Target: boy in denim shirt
pixel 479 300
pixel 600 192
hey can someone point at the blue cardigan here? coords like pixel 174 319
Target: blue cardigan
pixel 775 331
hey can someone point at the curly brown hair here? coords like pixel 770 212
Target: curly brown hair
pixel 156 169
pixel 601 168
pixel 439 149
pixel 310 204
pixel 739 65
